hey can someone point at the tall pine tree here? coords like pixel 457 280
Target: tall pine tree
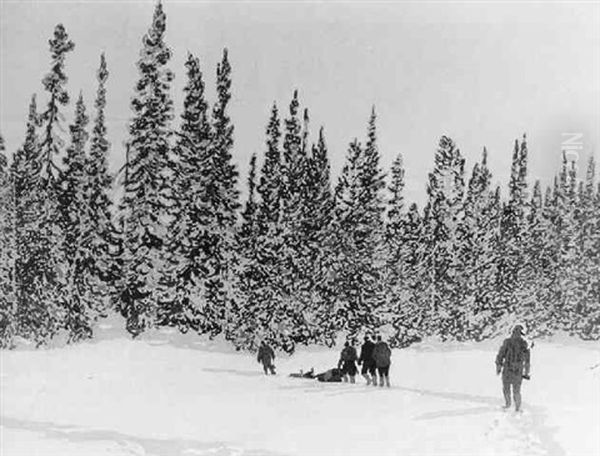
pixel 445 190
pixel 48 287
pixel 359 226
pixel 478 232
pixel 191 212
pixel 266 296
pixel 98 187
pixel 217 293
pixel 513 232
pixel 147 191
pixel 75 224
pixel 8 302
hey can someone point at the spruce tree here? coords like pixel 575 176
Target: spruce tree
pixel 38 315
pixel 318 230
pixel 539 265
pixel 24 173
pixel 396 250
pixel 249 227
pixel 48 287
pixel 54 82
pixel 76 226
pixel 8 302
pixel 270 184
pixel 591 328
pixel 147 191
pixel 98 187
pixel 588 311
pixel 551 214
pixel 513 231
pixel 478 231
pixel 270 189
pixel 445 192
pixel 292 279
pixel 249 279
pixel 359 242
pixel 571 294
pixel 411 321
pixel 217 293
pixel 191 212
pixel 561 214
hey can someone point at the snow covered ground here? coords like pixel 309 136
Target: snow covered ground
pixel 172 396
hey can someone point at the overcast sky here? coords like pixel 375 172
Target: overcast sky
pixel 482 73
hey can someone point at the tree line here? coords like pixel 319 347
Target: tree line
pixel 167 242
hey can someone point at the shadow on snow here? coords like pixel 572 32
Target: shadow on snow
pixel 170 447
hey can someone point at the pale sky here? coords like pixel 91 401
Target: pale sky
pixel 482 73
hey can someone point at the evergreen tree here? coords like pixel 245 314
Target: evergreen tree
pixel 445 192
pixel 54 83
pixel 540 265
pixel 571 294
pixel 250 273
pixel 588 311
pixel 590 330
pixel 267 299
pixel 396 200
pixel 318 230
pixel 359 242
pixel 147 191
pixel 477 233
pixel 217 291
pixel 249 227
pixel 562 229
pixel 98 186
pixel 74 223
pixel 410 321
pixel 24 169
pixel 192 212
pixel 551 215
pixel 270 185
pixel 396 250
pixel 404 253
pixel 513 232
pixel 47 287
pixel 7 254
pixel 292 279
pixel 38 314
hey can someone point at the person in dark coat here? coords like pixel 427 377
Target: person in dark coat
pixel 330 376
pixel 347 362
pixel 513 362
pixel 266 356
pixel 382 356
pixel 369 369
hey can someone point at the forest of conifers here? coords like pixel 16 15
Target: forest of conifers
pixel 167 241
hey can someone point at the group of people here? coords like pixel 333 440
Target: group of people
pixel 375 359
pixel 512 361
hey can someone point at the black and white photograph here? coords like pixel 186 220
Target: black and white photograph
pixel 299 228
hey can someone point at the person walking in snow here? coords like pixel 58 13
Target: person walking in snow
pixel 347 362
pixel 266 356
pixel 382 356
pixel 513 362
pixel 368 370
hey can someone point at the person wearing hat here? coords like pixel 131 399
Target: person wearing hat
pixel 513 362
pixel 369 369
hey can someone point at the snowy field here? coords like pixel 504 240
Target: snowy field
pixel 177 396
